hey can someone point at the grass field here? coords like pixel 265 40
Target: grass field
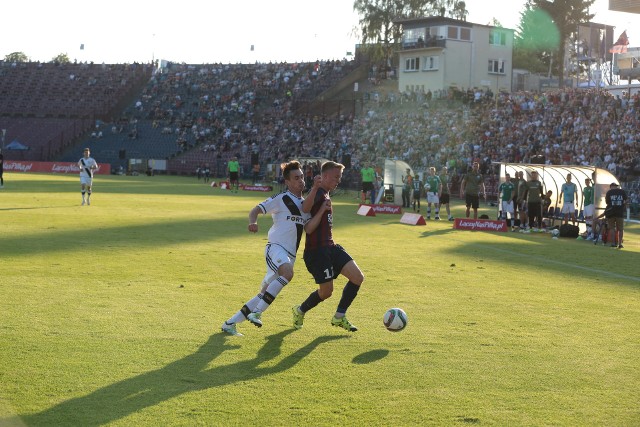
pixel 110 314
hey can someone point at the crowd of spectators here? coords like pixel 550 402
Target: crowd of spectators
pixel 217 111
pixel 560 127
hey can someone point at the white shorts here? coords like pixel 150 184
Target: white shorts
pixel 568 208
pixel 85 180
pixel 275 256
pixel 432 197
pixel 589 210
pixel 507 206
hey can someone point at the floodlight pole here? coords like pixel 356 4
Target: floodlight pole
pixel 4 132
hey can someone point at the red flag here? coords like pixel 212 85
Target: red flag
pixel 621 45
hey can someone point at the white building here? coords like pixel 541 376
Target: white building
pixel 439 53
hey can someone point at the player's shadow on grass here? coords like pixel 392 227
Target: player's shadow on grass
pixel 189 374
pixel 432 233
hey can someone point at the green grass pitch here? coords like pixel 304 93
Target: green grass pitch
pixel 110 314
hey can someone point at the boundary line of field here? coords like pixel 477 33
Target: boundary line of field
pixel 564 264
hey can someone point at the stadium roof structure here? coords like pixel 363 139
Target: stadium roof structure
pixel 629 6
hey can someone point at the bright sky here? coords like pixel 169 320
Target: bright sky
pixel 197 31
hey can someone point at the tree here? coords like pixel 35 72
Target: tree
pixel 456 9
pixel 566 15
pixel 62 58
pixel 536 41
pixel 16 57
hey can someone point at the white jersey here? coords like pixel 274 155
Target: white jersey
pixel 288 220
pixel 87 165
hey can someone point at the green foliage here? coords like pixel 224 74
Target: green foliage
pixel 62 58
pixel 16 57
pixel 110 314
pixel 537 39
pixel 565 16
pixel 537 31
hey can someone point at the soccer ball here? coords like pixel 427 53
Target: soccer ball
pixel 427 187
pixel 395 319
pixel 555 232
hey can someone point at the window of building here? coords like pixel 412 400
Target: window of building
pixel 412 35
pixel 430 63
pixel 465 34
pixel 412 64
pixel 452 33
pixel 498 38
pixel 496 66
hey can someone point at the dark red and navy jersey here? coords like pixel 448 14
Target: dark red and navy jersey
pixel 322 235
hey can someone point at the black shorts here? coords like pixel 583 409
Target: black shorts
pixel 326 263
pixel 416 195
pixel 472 200
pixel 233 176
pixel 444 198
pixel 367 186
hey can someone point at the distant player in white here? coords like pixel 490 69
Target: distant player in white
pixel 289 223
pixel 87 166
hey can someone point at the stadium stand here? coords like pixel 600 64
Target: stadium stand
pixel 47 106
pixel 192 115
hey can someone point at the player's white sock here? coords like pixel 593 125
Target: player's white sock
pixel 271 293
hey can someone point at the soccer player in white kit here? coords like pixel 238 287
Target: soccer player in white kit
pixel 87 166
pixel 289 223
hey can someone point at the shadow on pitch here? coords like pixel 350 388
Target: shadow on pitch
pixel 370 356
pixel 186 375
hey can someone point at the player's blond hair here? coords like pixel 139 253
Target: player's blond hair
pixel 327 166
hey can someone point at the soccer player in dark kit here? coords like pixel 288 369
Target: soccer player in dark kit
pixel 283 241
pixel 325 259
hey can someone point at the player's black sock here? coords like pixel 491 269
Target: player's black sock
pixel 271 293
pixel 245 310
pixel 348 295
pixel 312 300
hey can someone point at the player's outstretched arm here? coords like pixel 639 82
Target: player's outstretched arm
pixel 311 196
pixel 253 219
pixel 313 223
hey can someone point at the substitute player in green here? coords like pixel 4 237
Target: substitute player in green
pixel 368 177
pixel 506 201
pixel 445 194
pixel 433 187
pixel 472 182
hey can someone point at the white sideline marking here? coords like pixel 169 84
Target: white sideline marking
pixel 564 264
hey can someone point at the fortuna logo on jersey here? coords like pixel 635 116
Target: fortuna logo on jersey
pixel 296 219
